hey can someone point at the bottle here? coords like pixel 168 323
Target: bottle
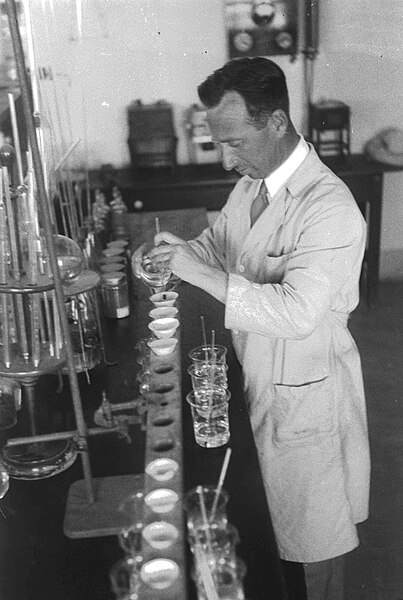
pixel 119 212
pixel 115 295
pixel 92 246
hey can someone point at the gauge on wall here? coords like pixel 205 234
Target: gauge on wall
pixel 243 41
pixel 261 27
pixel 284 40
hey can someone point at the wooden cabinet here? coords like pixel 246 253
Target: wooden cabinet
pixel 185 186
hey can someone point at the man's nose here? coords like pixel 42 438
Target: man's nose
pixel 228 158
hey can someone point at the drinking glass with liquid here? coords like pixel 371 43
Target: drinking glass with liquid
pixel 209 408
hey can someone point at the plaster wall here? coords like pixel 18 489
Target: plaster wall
pixel 115 51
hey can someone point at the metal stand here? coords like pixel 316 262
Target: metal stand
pixel 27 457
pixel 105 516
pixel 37 458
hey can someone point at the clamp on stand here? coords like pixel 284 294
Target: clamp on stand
pixel 105 516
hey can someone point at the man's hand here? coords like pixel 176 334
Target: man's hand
pixel 171 250
pixel 182 259
pixel 137 257
pixel 183 262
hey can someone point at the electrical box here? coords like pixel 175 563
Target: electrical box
pixel 152 138
pixel 329 127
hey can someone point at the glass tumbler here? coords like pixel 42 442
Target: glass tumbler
pixel 218 541
pixel 203 356
pixel 208 376
pixel 215 508
pixel 227 577
pixel 209 408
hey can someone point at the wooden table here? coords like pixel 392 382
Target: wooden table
pixel 36 559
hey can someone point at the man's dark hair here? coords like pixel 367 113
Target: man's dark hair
pixel 259 81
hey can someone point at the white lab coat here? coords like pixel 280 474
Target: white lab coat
pixel 293 280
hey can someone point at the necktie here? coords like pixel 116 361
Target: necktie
pixel 259 203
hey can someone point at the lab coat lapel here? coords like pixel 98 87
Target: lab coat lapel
pixel 270 223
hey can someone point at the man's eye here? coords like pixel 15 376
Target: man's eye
pixel 234 144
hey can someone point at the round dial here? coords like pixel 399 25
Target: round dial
pixel 243 41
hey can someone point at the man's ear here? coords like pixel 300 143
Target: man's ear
pixel 279 121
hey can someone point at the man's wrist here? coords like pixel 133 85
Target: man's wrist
pixel 214 282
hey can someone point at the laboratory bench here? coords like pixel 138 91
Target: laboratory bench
pixel 38 561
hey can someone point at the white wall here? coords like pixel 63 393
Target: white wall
pixel 162 49
pixel 361 63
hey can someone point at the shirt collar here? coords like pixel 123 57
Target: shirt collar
pixel 278 178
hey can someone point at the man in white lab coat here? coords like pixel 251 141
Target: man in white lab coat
pixel 284 256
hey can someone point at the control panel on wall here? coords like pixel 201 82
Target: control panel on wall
pixel 271 27
pixel 261 27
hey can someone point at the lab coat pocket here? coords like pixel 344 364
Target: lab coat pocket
pixel 299 362
pixel 304 414
pixel 275 267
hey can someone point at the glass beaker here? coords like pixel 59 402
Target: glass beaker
pixel 10 394
pixel 70 259
pixel 84 331
pixel 205 356
pixel 125 579
pixel 154 273
pixel 204 497
pixel 209 408
pixel 227 577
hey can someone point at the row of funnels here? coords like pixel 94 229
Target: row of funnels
pixel 163 572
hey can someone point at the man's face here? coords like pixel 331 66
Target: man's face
pixel 248 150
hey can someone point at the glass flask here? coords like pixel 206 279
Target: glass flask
pixel 70 258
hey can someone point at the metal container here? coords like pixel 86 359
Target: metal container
pixel 115 295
